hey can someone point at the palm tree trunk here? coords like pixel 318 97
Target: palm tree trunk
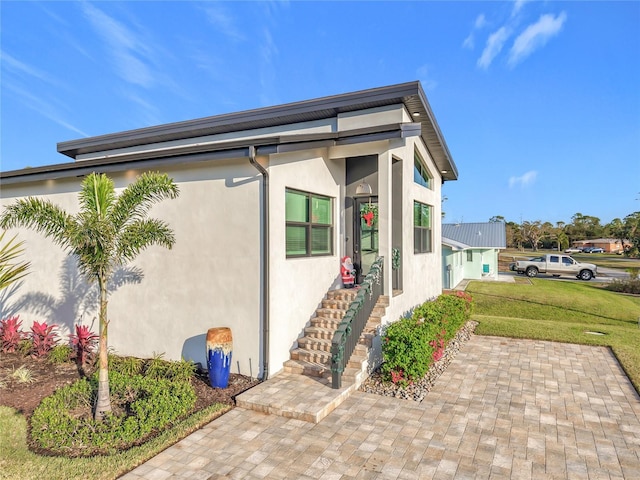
pixel 103 403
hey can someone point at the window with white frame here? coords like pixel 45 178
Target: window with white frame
pixel 422 242
pixel 309 224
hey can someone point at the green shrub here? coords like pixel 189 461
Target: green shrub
pixel 128 366
pixel 158 368
pixel 25 347
pixel 60 354
pixel 631 285
pixel 406 350
pixel 154 367
pixel 412 344
pixel 63 424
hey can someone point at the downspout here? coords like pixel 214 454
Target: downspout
pixel 265 261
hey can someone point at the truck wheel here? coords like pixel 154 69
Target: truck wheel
pixel 585 275
pixel 532 271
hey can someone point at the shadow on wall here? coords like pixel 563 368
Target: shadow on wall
pixel 77 297
pixel 195 349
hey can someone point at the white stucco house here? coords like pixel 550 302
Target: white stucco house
pixel 269 204
pixel 470 251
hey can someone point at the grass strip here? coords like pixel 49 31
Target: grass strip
pixel 17 462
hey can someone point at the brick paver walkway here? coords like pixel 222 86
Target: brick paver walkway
pixel 503 409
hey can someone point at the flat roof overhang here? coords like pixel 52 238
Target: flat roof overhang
pixel 410 94
pixel 159 157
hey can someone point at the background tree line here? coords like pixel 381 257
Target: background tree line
pixel 538 234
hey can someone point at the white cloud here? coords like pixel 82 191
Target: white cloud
pixel 479 23
pixel 127 49
pixel 535 36
pixel 425 78
pixel 223 22
pixel 46 108
pixel 469 42
pixel 16 66
pixel 517 6
pixel 268 72
pixel 494 45
pixel 523 180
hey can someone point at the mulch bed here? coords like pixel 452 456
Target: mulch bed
pixel 48 377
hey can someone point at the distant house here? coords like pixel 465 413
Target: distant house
pixel 470 251
pixel 610 245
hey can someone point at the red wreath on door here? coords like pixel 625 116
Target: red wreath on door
pixel 368 217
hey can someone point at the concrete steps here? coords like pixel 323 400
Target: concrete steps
pixel 313 354
pixel 307 374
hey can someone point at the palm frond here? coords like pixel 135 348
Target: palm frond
pixel 93 240
pixel 142 233
pixel 137 199
pixel 97 194
pixel 11 272
pixel 40 215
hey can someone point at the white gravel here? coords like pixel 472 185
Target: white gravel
pixel 419 389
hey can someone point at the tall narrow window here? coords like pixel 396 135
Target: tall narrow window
pixel 309 224
pixel 420 173
pixel 421 228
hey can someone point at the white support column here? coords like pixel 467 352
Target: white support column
pixel 384 216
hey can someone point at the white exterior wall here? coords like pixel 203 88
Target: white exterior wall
pixel 210 278
pixel 298 285
pixel 422 273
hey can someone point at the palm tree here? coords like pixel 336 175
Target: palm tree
pixel 108 231
pixel 11 272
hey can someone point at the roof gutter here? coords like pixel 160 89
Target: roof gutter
pixel 265 260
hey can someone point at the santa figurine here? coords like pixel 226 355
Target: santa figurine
pixel 348 272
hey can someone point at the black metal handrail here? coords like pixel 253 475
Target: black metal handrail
pixel 352 325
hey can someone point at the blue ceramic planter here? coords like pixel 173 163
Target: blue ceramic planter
pixel 219 350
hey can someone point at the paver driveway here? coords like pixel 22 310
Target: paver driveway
pixel 503 409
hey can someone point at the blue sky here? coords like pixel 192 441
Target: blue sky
pixel 539 102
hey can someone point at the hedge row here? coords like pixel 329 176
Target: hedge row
pixel 413 343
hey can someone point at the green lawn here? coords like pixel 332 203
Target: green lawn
pixel 562 312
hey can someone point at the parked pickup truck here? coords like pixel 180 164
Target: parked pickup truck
pixel 556 265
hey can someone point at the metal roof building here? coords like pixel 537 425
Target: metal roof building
pixel 475 235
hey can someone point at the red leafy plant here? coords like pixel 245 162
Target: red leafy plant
pixel 84 341
pixel 43 338
pixel 398 378
pixel 10 334
pixel 438 346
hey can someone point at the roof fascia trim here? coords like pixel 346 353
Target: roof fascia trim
pixel 204 152
pixel 281 115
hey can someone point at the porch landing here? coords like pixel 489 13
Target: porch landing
pixel 292 395
pixel 303 391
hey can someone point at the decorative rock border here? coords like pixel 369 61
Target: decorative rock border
pixel 419 389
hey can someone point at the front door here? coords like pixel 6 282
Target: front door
pixel 366 241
